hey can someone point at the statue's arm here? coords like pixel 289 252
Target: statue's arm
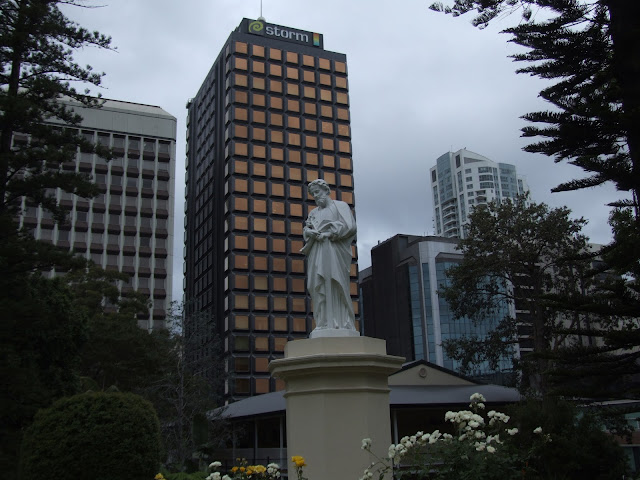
pixel 346 220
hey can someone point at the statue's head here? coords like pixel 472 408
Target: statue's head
pixel 319 190
pixel 319 184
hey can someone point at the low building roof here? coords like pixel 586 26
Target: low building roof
pixel 401 396
pixel 444 395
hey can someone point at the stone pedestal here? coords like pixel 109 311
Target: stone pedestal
pixel 337 393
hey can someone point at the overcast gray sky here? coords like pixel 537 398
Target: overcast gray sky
pixel 420 83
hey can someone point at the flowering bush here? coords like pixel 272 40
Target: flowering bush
pixel 482 448
pixel 244 471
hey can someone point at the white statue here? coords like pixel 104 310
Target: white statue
pixel 328 233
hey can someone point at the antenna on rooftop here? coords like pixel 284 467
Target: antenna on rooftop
pixel 261 18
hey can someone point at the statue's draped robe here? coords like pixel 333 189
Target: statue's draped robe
pixel 329 266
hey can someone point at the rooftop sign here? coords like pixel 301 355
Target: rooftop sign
pixel 262 28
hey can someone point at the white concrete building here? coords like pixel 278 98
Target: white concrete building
pixel 463 179
pixel 128 226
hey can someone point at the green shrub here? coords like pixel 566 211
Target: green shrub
pixel 186 476
pixel 93 435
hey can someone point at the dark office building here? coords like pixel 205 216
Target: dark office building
pixel 401 303
pixel 271 116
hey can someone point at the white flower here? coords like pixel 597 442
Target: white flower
pixel 512 431
pixel 474 424
pixel 538 430
pixel 392 451
pixel 367 474
pixel 480 446
pixel 477 397
pixel 491 449
pixel 480 405
pixel 215 464
pixel 227 477
pixel 425 437
pixel 366 444
pixel 214 476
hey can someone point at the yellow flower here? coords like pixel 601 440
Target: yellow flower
pixel 234 469
pixel 299 461
pixel 159 477
pixel 259 469
pixel 242 469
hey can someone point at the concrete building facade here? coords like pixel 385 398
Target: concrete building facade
pixel 128 226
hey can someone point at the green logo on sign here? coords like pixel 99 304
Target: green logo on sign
pixel 256 26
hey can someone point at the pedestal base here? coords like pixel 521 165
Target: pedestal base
pixel 337 394
pixel 333 332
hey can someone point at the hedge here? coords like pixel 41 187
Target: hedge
pixel 93 435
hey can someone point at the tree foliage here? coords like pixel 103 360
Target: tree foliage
pixel 570 313
pixel 41 335
pixel 538 440
pixel 189 389
pixel 580 447
pixel 94 435
pixel 47 323
pixel 515 253
pixel 590 50
pixel 36 50
pixel 589 47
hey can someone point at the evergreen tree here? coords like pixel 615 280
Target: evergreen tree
pixel 36 130
pixel 520 255
pixel 591 47
pixel 43 326
pixel 117 352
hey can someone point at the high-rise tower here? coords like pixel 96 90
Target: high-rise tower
pixel 463 179
pixel 271 116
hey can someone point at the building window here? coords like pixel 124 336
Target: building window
pixel 275 70
pixel 275 54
